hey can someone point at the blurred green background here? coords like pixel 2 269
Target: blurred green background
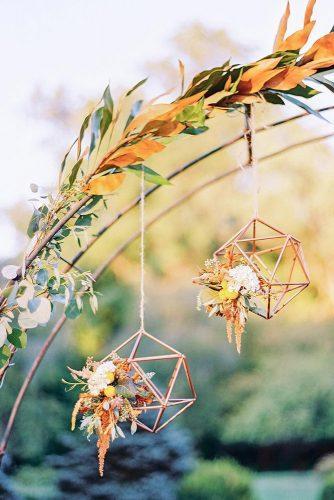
pixel 263 425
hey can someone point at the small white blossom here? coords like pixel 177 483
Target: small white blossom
pixel 107 366
pixel 243 279
pixel 98 380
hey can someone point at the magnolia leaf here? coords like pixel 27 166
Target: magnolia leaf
pixel 10 272
pixel 304 106
pixel 282 27
pixel 272 97
pixel 303 91
pixel 105 184
pixel 298 39
pixel 3 334
pixel 74 172
pixel 18 338
pixel 5 354
pixel 149 174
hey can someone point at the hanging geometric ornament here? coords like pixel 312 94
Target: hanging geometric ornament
pixel 260 269
pixel 127 386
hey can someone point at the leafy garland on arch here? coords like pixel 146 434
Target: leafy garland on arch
pixel 107 149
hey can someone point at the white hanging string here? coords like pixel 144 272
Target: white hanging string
pixel 252 159
pixel 142 250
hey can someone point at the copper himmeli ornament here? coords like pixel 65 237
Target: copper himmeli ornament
pixel 169 401
pixel 277 259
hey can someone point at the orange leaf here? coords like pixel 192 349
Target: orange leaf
pixel 298 39
pixel 255 77
pixel 282 27
pixel 130 154
pixel 321 49
pixel 106 184
pixel 320 63
pixel 162 112
pixel 289 78
pixel 169 129
pixel 309 11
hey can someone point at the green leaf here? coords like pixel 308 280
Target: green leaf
pixel 72 311
pixel 135 87
pixel 306 92
pixel 95 128
pixel 105 122
pixel 75 171
pixel 5 354
pixel 195 131
pixel 149 174
pixel 134 112
pixel 107 99
pixel 323 81
pixel 63 163
pixel 83 128
pixel 193 114
pixel 84 220
pixel 273 98
pixel 33 226
pixel 124 391
pixel 42 277
pixel 304 106
pixel 18 338
pixel 94 201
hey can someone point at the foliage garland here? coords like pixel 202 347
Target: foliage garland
pixel 107 149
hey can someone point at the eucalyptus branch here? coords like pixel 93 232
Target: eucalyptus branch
pixel 108 262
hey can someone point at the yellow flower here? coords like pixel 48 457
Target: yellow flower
pixel 227 294
pixel 110 391
pixel 224 284
pixel 110 376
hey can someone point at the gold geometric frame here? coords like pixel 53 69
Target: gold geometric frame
pixel 278 260
pixel 163 402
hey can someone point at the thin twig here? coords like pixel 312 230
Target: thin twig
pixel 103 267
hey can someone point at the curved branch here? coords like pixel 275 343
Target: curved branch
pixel 177 172
pixel 106 264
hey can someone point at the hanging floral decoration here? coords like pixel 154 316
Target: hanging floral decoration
pixel 230 285
pixel 111 393
pixel 259 270
pixel 113 143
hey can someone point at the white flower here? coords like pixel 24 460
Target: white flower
pixel 107 366
pixel 99 380
pixel 244 279
pixel 96 383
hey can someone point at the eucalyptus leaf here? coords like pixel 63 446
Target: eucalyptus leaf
pixel 149 174
pixel 33 226
pixel 72 311
pixel 135 87
pixel 195 130
pixel 5 354
pixel 74 172
pixel 18 338
pixel 107 100
pixel 304 106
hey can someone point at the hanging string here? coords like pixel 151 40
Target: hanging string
pixel 142 250
pixel 252 160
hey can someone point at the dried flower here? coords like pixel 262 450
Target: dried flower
pixel 112 392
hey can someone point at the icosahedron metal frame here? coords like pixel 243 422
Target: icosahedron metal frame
pixel 163 400
pixel 258 243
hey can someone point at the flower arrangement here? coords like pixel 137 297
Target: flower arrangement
pixel 112 392
pixel 230 286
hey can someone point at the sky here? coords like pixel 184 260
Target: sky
pixel 80 45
